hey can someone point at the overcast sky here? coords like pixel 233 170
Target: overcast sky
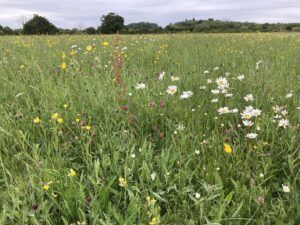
pixel 84 13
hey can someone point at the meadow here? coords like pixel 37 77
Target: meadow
pixel 150 129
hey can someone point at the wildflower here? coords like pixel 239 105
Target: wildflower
pixel 65 106
pixel 209 81
pixel 150 201
pixel 161 75
pixel 54 116
pixel 215 92
pixel 122 182
pixel 249 98
pixel 283 123
pixel 72 173
pixel 46 186
pixel 247 123
pixel 63 65
pixel 227 148
pixel 223 110
pixel 22 66
pixel 197 152
pixel 197 195
pixel 172 89
pixel 256 112
pixel 105 43
pixel 186 94
pixel 174 78
pixel 234 110
pixel 87 127
pixel 180 127
pixel 60 120
pixel 154 221
pixel 36 120
pixel 289 95
pixel 240 77
pixel 89 48
pixel 284 112
pixel 153 176
pixel 286 188
pixel 202 87
pixel 246 115
pixel 214 100
pixel 206 72
pixel 261 175
pixel 222 83
pixel 140 86
pixel 251 135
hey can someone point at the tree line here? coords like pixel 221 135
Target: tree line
pixel 113 23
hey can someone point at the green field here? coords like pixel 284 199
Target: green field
pixel 150 129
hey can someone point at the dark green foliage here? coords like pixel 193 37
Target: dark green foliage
pixel 39 25
pixel 143 28
pixel 111 23
pixel 216 26
pixel 90 30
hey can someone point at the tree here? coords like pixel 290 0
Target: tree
pixel 111 23
pixel 90 30
pixel 39 25
pixel 143 28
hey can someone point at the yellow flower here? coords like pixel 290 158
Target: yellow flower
pixel 105 43
pixel 154 221
pixel 72 173
pixel 77 120
pixel 89 48
pixel 150 201
pixel 122 182
pixel 254 147
pixel 72 52
pixel 63 55
pixel 63 65
pixel 88 127
pixel 60 120
pixel 36 120
pixel 227 148
pixel 46 186
pixel 22 66
pixel 265 143
pixel 65 106
pixel 54 116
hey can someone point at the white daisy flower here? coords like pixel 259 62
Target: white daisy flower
pixel 249 98
pixel 283 123
pixel 286 188
pixel 215 92
pixel 223 110
pixel 174 78
pixel 252 135
pixel 140 86
pixel 172 89
pixel 161 75
pixel 186 94
pixel 247 123
pixel 240 77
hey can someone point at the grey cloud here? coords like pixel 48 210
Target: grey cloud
pixel 71 13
